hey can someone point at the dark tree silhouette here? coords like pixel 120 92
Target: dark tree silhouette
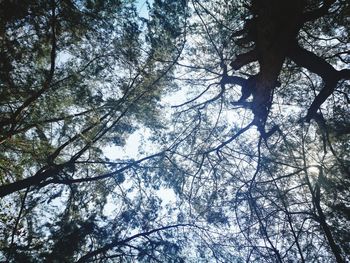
pixel 246 109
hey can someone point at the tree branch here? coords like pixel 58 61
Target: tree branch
pixel 316 196
pixel 244 59
pixel 319 12
pixel 103 176
pixel 326 71
pixel 34 180
pixel 46 84
pixel 123 242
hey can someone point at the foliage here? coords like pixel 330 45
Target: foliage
pixel 247 107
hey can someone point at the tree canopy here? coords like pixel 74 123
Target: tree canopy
pixel 241 109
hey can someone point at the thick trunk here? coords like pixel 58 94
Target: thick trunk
pixel 276 25
pixel 274 29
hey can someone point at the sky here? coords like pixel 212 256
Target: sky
pixel 139 140
pixel 142 7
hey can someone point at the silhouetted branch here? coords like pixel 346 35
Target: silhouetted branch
pixel 123 242
pixel 319 12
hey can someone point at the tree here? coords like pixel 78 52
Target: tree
pixel 256 152
pixel 75 77
pixel 273 184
